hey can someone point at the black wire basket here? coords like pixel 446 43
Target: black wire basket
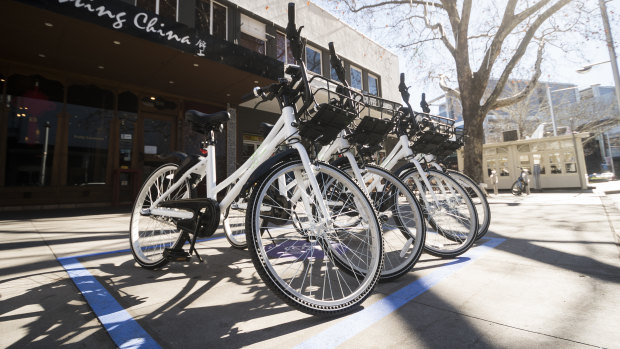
pixel 369 131
pixel 430 133
pixel 336 106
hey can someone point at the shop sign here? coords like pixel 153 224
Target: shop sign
pixel 118 15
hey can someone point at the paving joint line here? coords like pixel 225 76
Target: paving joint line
pixel 504 325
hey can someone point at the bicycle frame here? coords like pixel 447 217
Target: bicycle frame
pixel 403 151
pixel 283 131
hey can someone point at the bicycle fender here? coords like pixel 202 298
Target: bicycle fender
pixel 399 171
pixel 262 170
pixel 340 162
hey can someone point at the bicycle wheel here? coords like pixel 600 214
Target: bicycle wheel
pixel 150 235
pixel 450 214
pixel 478 198
pixel 401 218
pixel 234 223
pixel 299 251
pixel 517 188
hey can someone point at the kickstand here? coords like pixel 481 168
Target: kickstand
pixel 192 247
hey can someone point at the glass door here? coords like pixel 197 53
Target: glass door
pixel 158 136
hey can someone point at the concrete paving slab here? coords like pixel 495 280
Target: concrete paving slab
pixel 552 282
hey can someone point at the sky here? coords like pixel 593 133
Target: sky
pixel 557 67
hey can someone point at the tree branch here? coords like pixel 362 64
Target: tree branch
pixel 521 49
pixel 504 102
pixel 509 22
pixel 448 90
pixel 442 33
pixel 353 8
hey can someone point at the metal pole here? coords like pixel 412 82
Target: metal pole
pixel 611 156
pixel 555 130
pixel 572 128
pixel 612 50
pixel 47 134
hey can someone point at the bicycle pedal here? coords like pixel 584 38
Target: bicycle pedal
pixel 177 255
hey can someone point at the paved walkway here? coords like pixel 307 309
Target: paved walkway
pixel 548 275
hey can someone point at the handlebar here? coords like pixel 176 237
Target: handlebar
pixel 336 63
pixel 291 14
pixel 285 90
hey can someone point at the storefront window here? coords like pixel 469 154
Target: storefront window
pixel 503 167
pixel 524 162
pixel 554 163
pixel 570 162
pixel 356 78
pixel 491 165
pixel 127 116
pixel 90 110
pixel 538 161
pixel 313 59
pixel 33 104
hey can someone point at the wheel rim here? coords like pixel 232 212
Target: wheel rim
pixel 401 218
pixel 303 253
pixel 151 235
pixel 452 223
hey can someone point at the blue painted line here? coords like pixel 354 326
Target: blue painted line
pixel 358 322
pixel 123 329
pixel 121 326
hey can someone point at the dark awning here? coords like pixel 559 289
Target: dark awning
pixel 178 61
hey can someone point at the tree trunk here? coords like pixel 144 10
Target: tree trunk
pixel 474 136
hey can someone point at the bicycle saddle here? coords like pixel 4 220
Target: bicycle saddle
pixel 207 120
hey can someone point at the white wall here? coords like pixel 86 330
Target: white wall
pixel 321 27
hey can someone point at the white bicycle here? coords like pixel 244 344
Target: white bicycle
pixel 452 221
pixel 309 227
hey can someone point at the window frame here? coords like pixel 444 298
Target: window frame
pixel 351 68
pixel 211 18
pixel 264 40
pixel 320 52
pixel 287 45
pixel 370 75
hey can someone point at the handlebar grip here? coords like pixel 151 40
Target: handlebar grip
pixel 402 78
pixel 291 13
pixel 332 51
pixel 248 97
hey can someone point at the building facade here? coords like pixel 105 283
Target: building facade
pixel 93 92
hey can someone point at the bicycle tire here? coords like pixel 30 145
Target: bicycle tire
pixel 516 188
pixel 452 221
pixel 402 221
pixel 149 236
pixel 479 199
pixel 234 224
pixel 293 248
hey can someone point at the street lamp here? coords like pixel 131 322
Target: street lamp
pixel 555 129
pixel 586 68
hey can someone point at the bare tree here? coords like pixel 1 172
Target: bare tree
pixel 496 44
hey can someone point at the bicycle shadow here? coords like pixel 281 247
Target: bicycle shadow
pixel 223 297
